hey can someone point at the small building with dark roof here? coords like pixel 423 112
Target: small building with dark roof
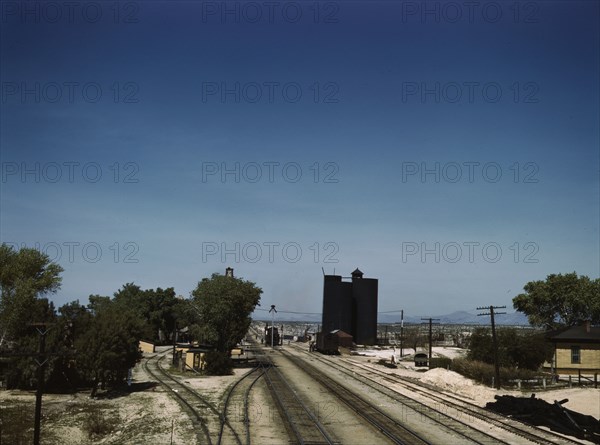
pixel 577 350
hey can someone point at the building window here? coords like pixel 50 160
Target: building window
pixel 575 354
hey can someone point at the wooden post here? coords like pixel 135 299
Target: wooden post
pixel 401 333
pixel 491 313
pixel 40 386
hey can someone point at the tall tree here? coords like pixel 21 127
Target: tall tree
pixel 25 275
pixel 109 346
pixel 560 300
pixel 156 307
pixel 224 305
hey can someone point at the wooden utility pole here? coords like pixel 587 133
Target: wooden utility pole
pixel 494 339
pixel 431 320
pixel 175 344
pixel 273 312
pixel 401 333
pixel 41 362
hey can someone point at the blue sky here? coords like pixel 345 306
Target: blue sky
pixel 451 153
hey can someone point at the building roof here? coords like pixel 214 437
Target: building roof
pixel 578 334
pixel 357 273
pixel 340 333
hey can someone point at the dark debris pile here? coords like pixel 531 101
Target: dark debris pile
pixel 552 415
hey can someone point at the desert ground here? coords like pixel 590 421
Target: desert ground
pixel 148 414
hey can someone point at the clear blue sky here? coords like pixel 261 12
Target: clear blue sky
pixel 119 127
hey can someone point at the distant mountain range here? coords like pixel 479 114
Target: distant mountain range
pixel 458 317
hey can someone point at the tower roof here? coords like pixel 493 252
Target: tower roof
pixel 357 273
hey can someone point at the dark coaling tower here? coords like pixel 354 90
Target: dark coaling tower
pixel 351 306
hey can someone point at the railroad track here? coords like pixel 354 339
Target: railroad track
pixel 301 423
pixel 390 427
pixel 521 429
pixel 188 404
pixel 238 397
pixel 463 408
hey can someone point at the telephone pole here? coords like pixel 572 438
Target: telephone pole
pixel 401 332
pixel 491 313
pixel 41 362
pixel 273 311
pixel 431 322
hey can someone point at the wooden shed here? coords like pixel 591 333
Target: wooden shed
pixel 343 339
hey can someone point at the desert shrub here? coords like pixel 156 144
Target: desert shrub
pixel 16 424
pixel 484 372
pixel 98 424
pixel 440 362
pixel 218 363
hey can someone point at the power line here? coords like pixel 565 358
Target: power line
pixel 318 313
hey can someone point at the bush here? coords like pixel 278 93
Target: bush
pixel 440 362
pixel 16 424
pixel 484 372
pixel 97 424
pixel 218 363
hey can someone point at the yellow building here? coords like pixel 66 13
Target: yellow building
pixel 577 350
pixel 194 359
pixel 146 346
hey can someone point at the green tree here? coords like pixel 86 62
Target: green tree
pixel 25 275
pixel 516 348
pixel 73 322
pixel 157 308
pixel 224 305
pixel 22 371
pixel 109 346
pixel 560 300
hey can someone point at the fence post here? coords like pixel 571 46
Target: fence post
pixel 595 380
pixel 569 380
pixel 579 376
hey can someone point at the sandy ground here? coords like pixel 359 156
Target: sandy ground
pixel 583 400
pixel 150 414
